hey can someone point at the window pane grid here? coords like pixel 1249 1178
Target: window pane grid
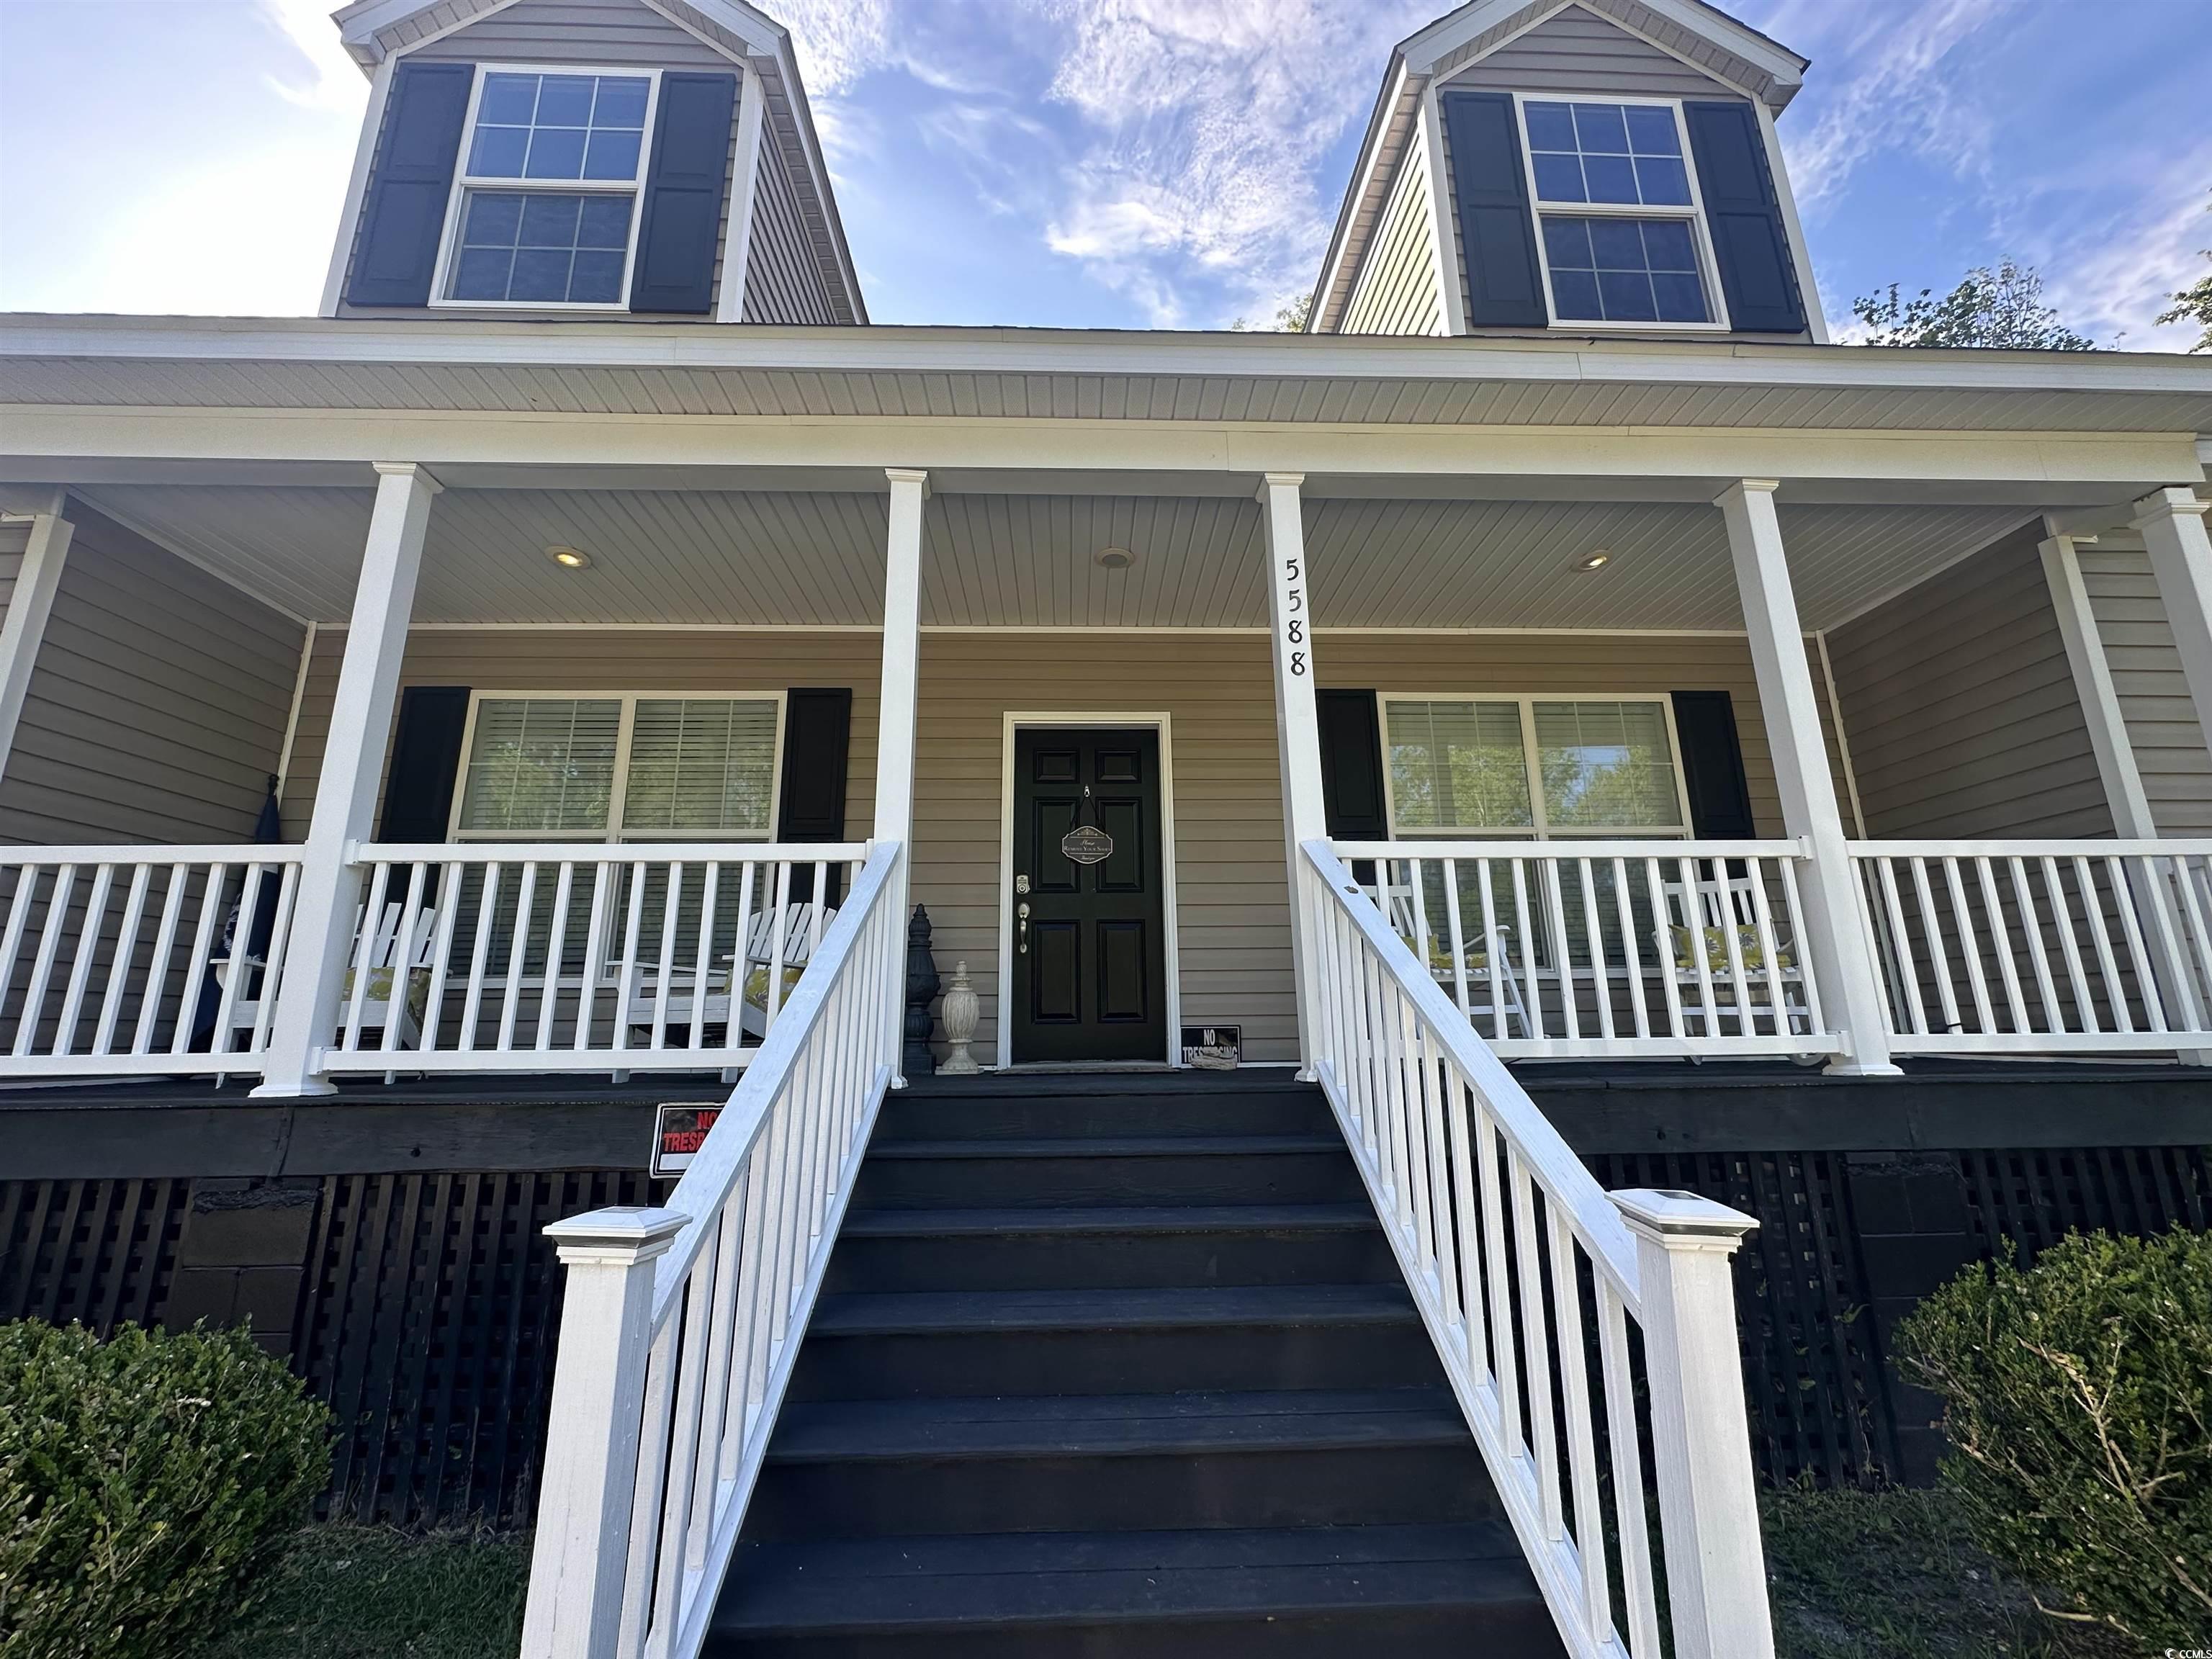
pixel 541 765
pixel 1629 154
pixel 701 767
pixel 1464 766
pixel 560 127
pixel 1606 765
pixel 1616 270
pixel 1458 766
pixel 536 246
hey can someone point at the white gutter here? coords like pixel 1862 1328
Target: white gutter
pixel 1098 352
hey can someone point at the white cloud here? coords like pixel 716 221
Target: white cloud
pixel 1207 120
pixel 336 83
pixel 836 41
pixel 2111 276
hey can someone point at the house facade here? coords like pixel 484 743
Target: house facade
pixel 468 717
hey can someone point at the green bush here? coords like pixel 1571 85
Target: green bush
pixel 2078 1398
pixel 146 1482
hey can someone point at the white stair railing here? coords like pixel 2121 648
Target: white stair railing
pixel 141 959
pixel 2041 946
pixel 682 1324
pixel 1534 1283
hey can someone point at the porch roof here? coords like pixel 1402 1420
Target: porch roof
pixel 682 368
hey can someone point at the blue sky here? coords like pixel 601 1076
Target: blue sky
pixel 1130 163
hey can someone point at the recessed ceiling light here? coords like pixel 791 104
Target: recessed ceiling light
pixel 1114 558
pixel 569 558
pixel 1595 560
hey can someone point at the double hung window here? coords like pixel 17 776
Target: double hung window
pixel 1540 766
pixel 1621 231
pixel 544 209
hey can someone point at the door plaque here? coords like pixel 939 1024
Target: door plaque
pixel 1086 844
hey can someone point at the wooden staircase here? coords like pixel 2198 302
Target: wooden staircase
pixel 1120 1364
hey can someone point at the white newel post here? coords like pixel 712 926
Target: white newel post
pixel 306 1016
pixel 1700 1431
pixel 1836 934
pixel 1298 729
pixel 589 1482
pixel 894 726
pixel 36 579
pixel 2173 526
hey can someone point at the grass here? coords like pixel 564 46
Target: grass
pixel 1854 1575
pixel 370 1593
pixel 1893 1575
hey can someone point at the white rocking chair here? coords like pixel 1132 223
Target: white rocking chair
pixel 392 966
pixel 1721 904
pixel 1488 993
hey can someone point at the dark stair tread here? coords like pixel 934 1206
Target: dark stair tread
pixel 922 1222
pixel 1046 1087
pixel 992 1579
pixel 1099 1146
pixel 1287 1421
pixel 877 1313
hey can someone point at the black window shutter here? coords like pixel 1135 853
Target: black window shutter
pixel 1504 288
pixel 1712 766
pixel 817 732
pixel 426 764
pixel 402 216
pixel 1752 248
pixel 1351 796
pixel 681 216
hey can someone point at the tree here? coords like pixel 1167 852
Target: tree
pixel 2002 309
pixel 2194 304
pixel 1291 320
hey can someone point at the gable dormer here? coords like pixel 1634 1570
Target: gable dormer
pixel 1576 167
pixel 585 158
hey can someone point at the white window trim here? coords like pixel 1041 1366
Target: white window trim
pixel 619 789
pixel 464 182
pixel 1693 215
pixel 1542 828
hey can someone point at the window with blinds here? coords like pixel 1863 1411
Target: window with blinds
pixel 621 768
pixel 1483 766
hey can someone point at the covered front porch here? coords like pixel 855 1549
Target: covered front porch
pixel 1619 756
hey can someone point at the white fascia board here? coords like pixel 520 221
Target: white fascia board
pixel 1371 146
pixel 1093 351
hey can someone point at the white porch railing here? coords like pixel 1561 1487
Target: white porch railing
pixel 493 957
pixel 671 1366
pixel 1529 1281
pixel 118 960
pixel 1588 948
pixel 2041 946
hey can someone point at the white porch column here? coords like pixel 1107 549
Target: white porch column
pixel 1297 725
pixel 2093 684
pixel 36 579
pixel 345 794
pixel 901 666
pixel 1837 937
pixel 2173 526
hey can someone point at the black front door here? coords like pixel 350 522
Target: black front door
pixel 1090 946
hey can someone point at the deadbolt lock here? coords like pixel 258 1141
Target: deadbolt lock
pixel 1021 883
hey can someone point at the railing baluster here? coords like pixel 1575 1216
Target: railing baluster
pixel 2069 948
pixel 1594 930
pixel 1969 946
pixel 81 961
pixel 157 965
pixel 2000 942
pixel 1656 891
pixel 1536 1343
pixel 118 969
pixel 557 950
pixel 280 947
pixel 2100 937
pixel 441 954
pixel 479 949
pixel 1581 1426
pixel 1939 959
pixel 2030 925
pixel 1562 951
pixel 11 946
pixel 702 965
pixel 1527 930
pixel 1494 956
pixel 1628 1500
pixel 1623 904
pixel 1908 965
pixel 196 969
pixel 518 950
pixel 42 963
pixel 2193 906
pixel 595 944
pixel 1458 935
pixel 1769 951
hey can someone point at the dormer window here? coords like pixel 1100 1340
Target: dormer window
pixel 1635 250
pixel 544 208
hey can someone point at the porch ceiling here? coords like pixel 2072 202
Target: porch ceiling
pixel 815 559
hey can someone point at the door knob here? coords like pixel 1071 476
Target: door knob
pixel 1023 912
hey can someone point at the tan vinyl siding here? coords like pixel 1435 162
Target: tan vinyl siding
pixel 1396 293
pixel 2162 726
pixel 1580 51
pixel 783 278
pixel 157 706
pixel 588 33
pixel 1961 707
pixel 621 34
pixel 608 660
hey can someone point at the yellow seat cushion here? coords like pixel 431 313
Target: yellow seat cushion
pixel 757 985
pixel 379 990
pixel 1716 951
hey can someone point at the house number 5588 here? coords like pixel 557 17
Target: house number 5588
pixel 1294 631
